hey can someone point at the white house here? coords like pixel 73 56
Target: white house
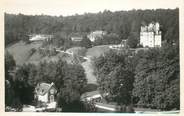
pixel 150 36
pixel 39 37
pixel 76 38
pixel 96 35
pixel 45 92
pixel 119 46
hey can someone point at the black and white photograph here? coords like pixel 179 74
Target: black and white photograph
pixel 92 56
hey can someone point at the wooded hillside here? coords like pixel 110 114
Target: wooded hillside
pixel 123 23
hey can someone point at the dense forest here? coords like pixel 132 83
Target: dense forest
pixel 149 79
pixel 123 23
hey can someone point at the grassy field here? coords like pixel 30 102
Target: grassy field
pixel 96 51
pixel 21 51
pixel 81 51
pixel 21 54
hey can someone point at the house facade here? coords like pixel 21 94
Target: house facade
pixel 151 36
pixel 39 37
pixel 119 46
pixel 76 38
pixel 96 35
pixel 45 92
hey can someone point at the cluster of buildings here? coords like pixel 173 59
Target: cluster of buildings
pixel 98 34
pixel 74 37
pixel 150 36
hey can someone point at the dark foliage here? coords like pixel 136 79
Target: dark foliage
pixel 157 73
pixel 123 23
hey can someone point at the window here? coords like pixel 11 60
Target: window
pixel 51 98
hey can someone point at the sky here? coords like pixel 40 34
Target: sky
pixel 71 7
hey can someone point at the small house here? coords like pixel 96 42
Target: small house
pixel 39 37
pixel 45 92
pixel 76 38
pixel 96 35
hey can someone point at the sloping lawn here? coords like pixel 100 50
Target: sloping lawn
pixel 96 51
pixel 21 51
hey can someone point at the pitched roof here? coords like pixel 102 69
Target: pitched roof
pixel 97 33
pixel 43 88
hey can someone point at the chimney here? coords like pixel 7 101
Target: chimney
pixel 52 84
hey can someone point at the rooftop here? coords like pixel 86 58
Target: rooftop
pixel 43 88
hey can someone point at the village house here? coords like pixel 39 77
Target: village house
pixel 150 36
pixel 45 92
pixel 123 44
pixel 96 35
pixel 39 37
pixel 76 38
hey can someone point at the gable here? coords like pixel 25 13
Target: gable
pixel 43 88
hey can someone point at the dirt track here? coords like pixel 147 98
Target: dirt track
pixel 89 71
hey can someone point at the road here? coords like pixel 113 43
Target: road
pixel 91 79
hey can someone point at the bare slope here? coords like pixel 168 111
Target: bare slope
pixel 21 51
pixel 22 54
pixel 88 67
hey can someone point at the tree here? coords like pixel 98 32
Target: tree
pixel 75 77
pixel 115 77
pixel 157 72
pixel 133 40
pixel 121 85
pixel 86 42
pixel 25 83
pixel 73 85
pixel 9 64
pixel 110 38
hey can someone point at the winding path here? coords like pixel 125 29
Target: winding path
pixel 89 71
pixel 87 65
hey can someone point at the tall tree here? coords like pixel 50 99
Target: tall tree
pixel 86 42
pixel 114 76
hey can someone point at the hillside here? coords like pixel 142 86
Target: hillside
pixel 21 51
pixel 96 51
pixel 122 23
